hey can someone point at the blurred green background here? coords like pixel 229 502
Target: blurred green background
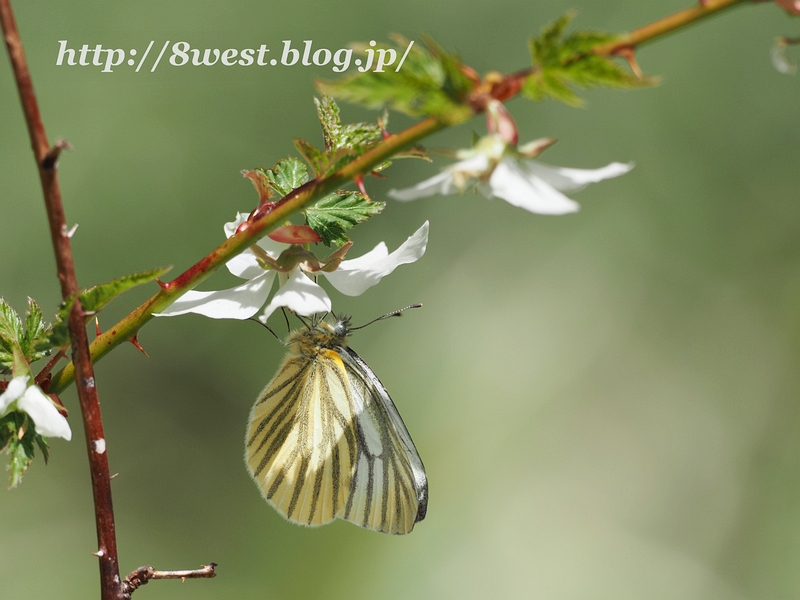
pixel 606 403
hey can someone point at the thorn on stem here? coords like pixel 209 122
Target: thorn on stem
pixel 50 160
pixel 361 187
pixel 97 331
pixel 99 554
pixel 68 233
pixel 629 54
pixel 135 341
pixel 164 286
pixel 384 134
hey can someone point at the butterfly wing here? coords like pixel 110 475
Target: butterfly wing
pixel 325 440
pixel 388 490
pixel 301 442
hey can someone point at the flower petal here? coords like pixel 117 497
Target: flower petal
pixel 16 387
pixel 519 187
pixel 379 252
pixel 438 185
pixel 570 180
pixel 241 302
pixel 49 422
pixel 230 227
pixel 354 277
pixel 299 294
pixel 272 247
pixel 245 265
pixel 453 179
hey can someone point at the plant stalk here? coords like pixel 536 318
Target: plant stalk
pixel 46 161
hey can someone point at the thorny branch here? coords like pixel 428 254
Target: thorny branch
pixel 504 89
pixel 46 161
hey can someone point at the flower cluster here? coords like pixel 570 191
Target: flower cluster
pixel 495 165
pixel 500 169
pixel 296 270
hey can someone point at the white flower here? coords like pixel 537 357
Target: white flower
pixel 32 400
pixel 297 290
pixel 500 171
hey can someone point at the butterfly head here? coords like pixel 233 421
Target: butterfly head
pixel 342 327
pixel 318 336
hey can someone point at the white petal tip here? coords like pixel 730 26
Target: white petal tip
pixel 408 194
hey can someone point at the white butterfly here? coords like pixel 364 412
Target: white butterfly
pixel 325 439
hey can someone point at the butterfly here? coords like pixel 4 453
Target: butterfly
pixel 325 440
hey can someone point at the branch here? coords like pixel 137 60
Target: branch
pixel 670 24
pixel 505 89
pixel 142 575
pixel 46 161
pixel 256 229
pixel 626 44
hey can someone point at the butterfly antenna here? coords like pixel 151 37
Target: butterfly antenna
pixel 396 313
pixel 286 318
pixel 268 328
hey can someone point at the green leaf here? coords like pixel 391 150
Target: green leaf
pixel 339 212
pixel 35 343
pixel 12 336
pixel 92 300
pixel 59 332
pixel 565 62
pixel 329 119
pixel 19 460
pixel 95 298
pixel 20 451
pixel 289 174
pixel 314 157
pixel 342 143
pixel 8 428
pixel 43 446
pixel 429 83
pixel 11 331
pixel 358 137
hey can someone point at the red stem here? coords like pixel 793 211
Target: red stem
pixel 46 159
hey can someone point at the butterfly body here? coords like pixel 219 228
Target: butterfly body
pixel 325 440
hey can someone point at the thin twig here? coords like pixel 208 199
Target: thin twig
pixel 46 159
pixel 44 375
pixel 144 574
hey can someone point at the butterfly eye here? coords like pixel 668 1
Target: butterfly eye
pixel 342 327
